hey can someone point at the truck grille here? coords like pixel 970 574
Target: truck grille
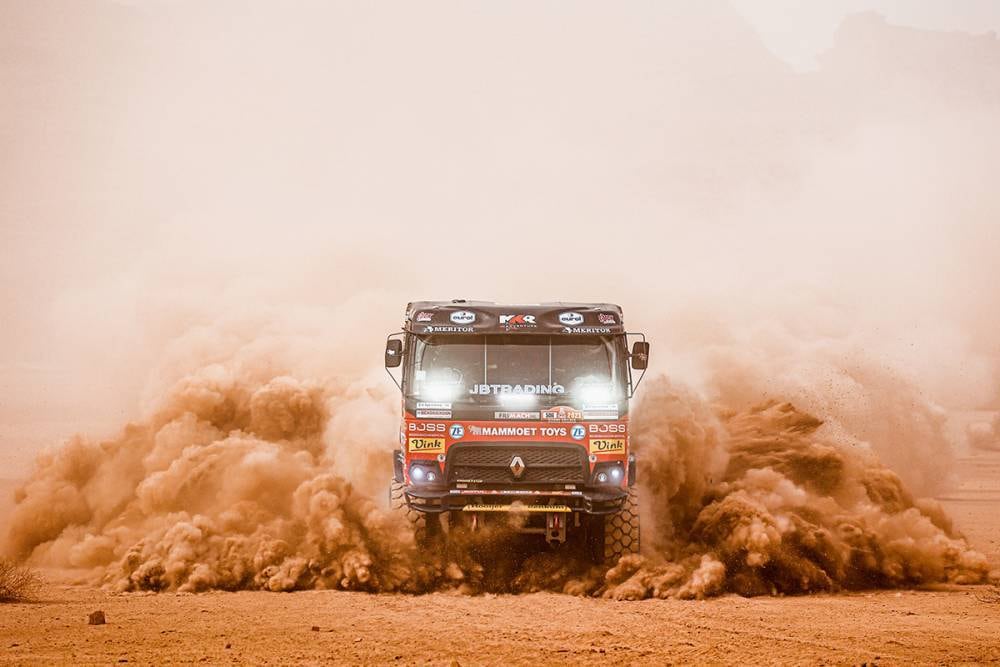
pixel 490 464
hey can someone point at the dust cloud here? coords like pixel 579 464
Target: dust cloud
pixel 254 194
pixel 796 508
pixel 243 480
pixel 984 435
pixel 225 486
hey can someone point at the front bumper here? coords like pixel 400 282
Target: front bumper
pixel 586 501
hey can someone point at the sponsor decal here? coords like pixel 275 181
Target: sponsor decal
pixel 456 431
pixel 423 443
pixel 518 321
pixel 607 445
pixel 515 415
pixel 516 507
pixel 607 428
pixel 587 330
pixel 570 319
pixel 433 427
pixel 523 430
pixel 607 407
pixel 562 413
pixel 487 389
pixel 434 406
pixel 433 414
pixel 600 415
pixel 606 318
pixel 462 317
pixel 609 411
pixel 446 329
pixel 510 492
pixel 494 431
pixel 424 316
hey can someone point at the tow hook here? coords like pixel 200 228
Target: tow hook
pixel 555 528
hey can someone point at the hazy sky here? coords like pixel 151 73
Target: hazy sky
pixel 799 31
pixel 167 166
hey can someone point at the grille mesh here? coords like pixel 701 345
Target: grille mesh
pixel 491 463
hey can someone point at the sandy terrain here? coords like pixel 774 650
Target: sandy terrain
pixel 894 627
pixel 951 625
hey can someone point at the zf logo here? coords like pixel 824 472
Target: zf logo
pixel 456 431
pixel 577 432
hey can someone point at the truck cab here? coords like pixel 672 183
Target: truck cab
pixel 518 408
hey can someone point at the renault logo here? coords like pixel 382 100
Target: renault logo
pixel 517 467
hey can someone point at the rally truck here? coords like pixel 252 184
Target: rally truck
pixel 518 409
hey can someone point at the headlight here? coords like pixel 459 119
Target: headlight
pixel 441 392
pixel 595 393
pixel 424 474
pixel 609 473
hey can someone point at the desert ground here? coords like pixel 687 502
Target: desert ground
pixel 954 625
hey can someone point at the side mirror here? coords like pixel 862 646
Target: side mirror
pixel 639 356
pixel 393 353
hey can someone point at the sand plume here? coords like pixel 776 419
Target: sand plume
pixel 245 479
pixel 796 510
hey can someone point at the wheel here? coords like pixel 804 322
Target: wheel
pixel 397 502
pixel 621 530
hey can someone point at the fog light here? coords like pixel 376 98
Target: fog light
pixel 616 474
pixel 417 474
pixel 602 477
pixel 431 477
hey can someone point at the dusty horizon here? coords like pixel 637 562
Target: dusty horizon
pixel 168 172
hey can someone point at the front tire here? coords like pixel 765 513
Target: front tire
pixel 418 520
pixel 621 530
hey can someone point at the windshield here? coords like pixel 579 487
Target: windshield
pixel 519 370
